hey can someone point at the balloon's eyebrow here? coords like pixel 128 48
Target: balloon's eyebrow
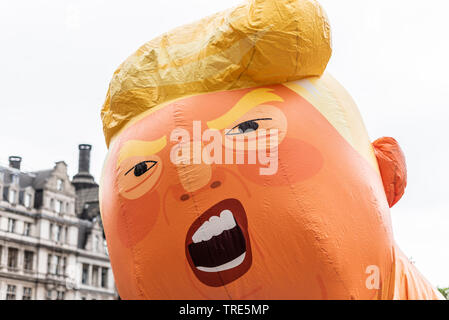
pixel 247 102
pixel 136 148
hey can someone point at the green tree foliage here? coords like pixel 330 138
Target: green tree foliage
pixel 444 292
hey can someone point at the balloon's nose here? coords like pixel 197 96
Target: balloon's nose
pixel 193 174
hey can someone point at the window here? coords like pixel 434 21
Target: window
pixel 12 196
pixel 27 293
pixel 11 292
pixel 58 265
pixel 104 277
pixel 49 294
pixel 1 252
pixel 58 206
pixel 26 228
pixel 66 234
pixel 59 185
pixel 95 276
pixel 67 207
pixel 49 264
pixel 12 257
pixel 58 233
pixel 5 193
pixel 85 273
pixel 60 295
pixel 28 260
pixel 11 225
pixel 50 232
pixel 27 200
pixel 64 265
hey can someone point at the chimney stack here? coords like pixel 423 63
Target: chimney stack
pixel 14 162
pixel 84 158
pixel 83 179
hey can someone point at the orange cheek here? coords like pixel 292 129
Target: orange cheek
pixel 298 161
pixel 137 218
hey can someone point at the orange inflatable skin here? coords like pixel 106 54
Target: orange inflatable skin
pixel 318 228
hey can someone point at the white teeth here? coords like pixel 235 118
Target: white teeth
pixel 228 265
pixel 228 219
pixel 214 227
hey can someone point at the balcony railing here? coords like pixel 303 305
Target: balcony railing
pixel 29 271
pixel 13 269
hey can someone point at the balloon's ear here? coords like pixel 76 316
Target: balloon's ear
pixel 392 168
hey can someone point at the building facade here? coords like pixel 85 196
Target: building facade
pixel 52 243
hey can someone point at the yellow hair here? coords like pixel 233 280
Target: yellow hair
pixel 259 43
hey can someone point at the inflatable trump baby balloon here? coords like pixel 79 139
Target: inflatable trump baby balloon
pixel 239 169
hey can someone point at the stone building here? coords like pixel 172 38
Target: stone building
pixel 51 238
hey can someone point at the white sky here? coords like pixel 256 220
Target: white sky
pixel 57 57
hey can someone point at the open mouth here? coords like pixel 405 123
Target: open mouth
pixel 217 243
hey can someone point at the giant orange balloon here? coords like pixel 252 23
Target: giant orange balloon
pixel 269 189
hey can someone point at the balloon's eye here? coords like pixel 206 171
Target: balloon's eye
pixel 246 127
pixel 142 167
